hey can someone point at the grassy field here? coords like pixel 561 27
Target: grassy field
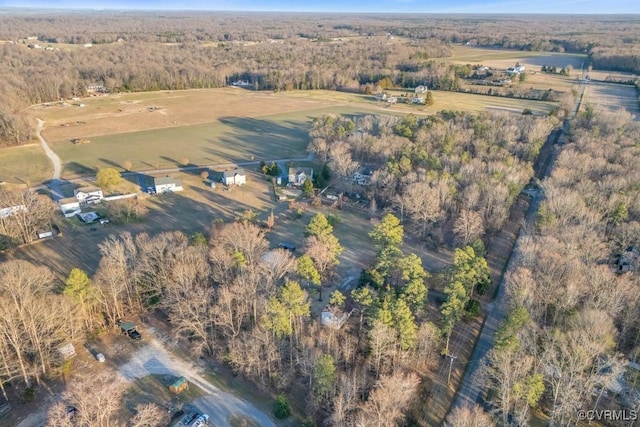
pixel 26 165
pixel 157 130
pixel 611 98
pixel 504 58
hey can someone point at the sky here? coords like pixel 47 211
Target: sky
pixel 357 6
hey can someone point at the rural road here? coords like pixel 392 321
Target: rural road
pixel 154 358
pixel 470 391
pixel 57 165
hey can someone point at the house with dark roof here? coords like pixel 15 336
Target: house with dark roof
pixel 234 177
pixel 297 176
pixel 166 184
pixel 88 195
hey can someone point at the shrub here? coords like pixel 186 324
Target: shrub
pixel 472 308
pixel 333 219
pixel 281 408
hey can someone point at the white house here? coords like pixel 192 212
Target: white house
pixel 234 177
pixel 333 320
pixel 166 184
pixel 88 195
pixel 297 176
pixel 69 206
pixel 12 210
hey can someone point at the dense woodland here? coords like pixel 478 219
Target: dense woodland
pixel 443 174
pixel 573 320
pixel 137 52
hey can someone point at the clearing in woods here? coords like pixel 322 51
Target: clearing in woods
pixel 504 58
pixel 611 98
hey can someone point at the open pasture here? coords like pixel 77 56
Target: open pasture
pixel 160 130
pixel 611 98
pixel 505 58
pixel 226 140
pixel 131 112
pixel 26 165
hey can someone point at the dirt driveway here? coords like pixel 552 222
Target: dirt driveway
pixel 153 358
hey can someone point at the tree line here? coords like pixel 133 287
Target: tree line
pixel 274 53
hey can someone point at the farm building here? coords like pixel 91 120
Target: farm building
pixel 167 184
pixel 67 351
pixel 420 90
pixel 88 217
pixel 69 206
pixel 297 176
pixel 381 96
pixel 12 210
pixel 179 385
pixel 42 234
pixel 88 195
pixel 234 177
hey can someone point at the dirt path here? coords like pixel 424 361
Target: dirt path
pixel 154 358
pixel 56 192
pixel 57 165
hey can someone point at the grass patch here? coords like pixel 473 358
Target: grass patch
pixel 154 389
pixel 26 165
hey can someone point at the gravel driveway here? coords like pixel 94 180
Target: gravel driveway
pixel 153 358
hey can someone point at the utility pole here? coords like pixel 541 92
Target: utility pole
pixel 452 358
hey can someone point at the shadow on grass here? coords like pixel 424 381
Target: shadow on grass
pixel 262 139
pixel 111 163
pixel 78 169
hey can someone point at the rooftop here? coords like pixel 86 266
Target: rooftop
pixel 87 190
pixel 164 180
pixel 231 173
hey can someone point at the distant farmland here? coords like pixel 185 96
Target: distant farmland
pixel 159 130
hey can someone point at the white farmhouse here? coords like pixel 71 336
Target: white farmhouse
pixel 234 177
pixel 166 184
pixel 88 195
pixel 297 176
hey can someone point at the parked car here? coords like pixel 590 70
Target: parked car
pixel 134 335
pixel 201 420
pixel 100 357
pixel 288 246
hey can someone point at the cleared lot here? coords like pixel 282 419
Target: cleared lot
pixel 612 98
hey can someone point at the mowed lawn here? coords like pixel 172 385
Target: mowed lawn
pixel 227 140
pixel 26 165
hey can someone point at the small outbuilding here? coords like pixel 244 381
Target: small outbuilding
pixel 179 385
pixel 70 207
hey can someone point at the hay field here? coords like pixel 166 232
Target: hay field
pixel 504 58
pixel 130 112
pixel 611 98
pixel 158 130
pixel 26 165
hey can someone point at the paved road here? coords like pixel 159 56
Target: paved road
pixel 470 391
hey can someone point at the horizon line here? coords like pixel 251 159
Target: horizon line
pixel 139 9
